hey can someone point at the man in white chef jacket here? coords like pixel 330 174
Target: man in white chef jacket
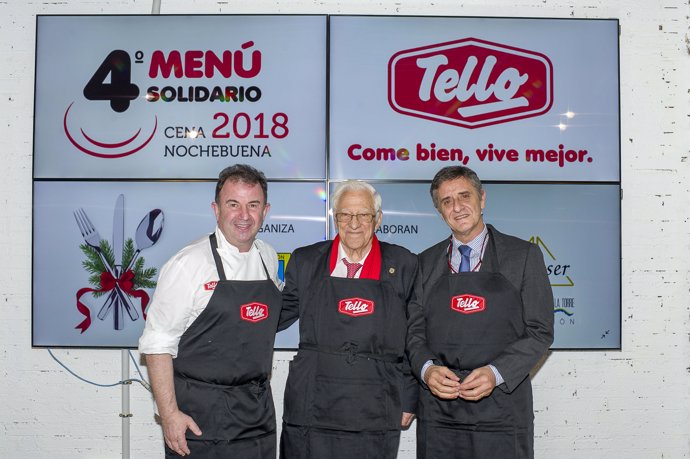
pixel 210 331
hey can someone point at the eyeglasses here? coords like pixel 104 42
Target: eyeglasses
pixel 347 218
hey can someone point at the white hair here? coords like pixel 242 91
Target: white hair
pixel 355 185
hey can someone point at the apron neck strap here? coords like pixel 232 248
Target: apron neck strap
pixel 488 261
pixel 491 257
pixel 216 257
pixel 219 263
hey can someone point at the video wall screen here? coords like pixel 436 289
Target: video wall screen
pixel 560 219
pixel 133 97
pixel 134 120
pixel 72 286
pixel 513 99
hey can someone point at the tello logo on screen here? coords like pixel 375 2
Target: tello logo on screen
pixel 356 307
pixel 470 83
pixel 254 312
pixel 467 304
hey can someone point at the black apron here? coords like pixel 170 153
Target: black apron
pixel 222 369
pixel 344 387
pixel 471 318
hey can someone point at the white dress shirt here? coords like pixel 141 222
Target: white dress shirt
pixel 183 289
pixel 340 269
pixel 478 246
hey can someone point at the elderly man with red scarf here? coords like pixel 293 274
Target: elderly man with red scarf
pixel 349 389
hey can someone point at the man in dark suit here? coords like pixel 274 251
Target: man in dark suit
pixel 488 310
pixel 349 390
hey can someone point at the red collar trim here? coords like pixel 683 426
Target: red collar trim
pixel 372 264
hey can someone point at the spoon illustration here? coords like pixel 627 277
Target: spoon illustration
pixel 148 232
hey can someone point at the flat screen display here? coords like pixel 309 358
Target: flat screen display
pixel 136 115
pixel 561 219
pixel 179 96
pixel 72 288
pixel 513 99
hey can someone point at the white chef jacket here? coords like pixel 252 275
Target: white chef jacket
pixel 183 289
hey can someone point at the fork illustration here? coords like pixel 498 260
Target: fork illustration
pixel 91 236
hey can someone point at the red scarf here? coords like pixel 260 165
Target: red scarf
pixel 372 264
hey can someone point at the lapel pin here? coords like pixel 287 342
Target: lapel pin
pixel 391 270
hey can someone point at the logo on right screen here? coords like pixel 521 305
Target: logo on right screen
pixel 470 83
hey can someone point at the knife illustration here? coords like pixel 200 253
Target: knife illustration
pixel 118 246
pixel 118 300
pixel 119 233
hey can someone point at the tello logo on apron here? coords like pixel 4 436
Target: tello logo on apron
pixel 356 307
pixel 208 286
pixel 254 312
pixel 470 83
pixel 467 304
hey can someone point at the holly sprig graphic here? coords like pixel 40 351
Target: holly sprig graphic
pixel 143 277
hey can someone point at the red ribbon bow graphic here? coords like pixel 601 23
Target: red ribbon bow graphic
pixel 108 282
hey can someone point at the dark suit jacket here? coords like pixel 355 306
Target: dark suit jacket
pixel 522 263
pixel 307 265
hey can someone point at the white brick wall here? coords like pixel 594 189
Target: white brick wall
pixel 634 403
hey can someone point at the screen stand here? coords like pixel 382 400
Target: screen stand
pixel 125 414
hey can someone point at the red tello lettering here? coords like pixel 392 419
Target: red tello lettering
pixel 254 312
pixel 356 307
pixel 470 83
pixel 468 304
